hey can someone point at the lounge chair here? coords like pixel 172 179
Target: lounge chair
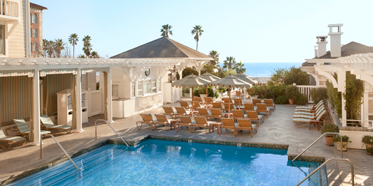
pixel 262 108
pixel 181 111
pixel 228 124
pixel 238 114
pixel 226 107
pixel 253 116
pixel 217 105
pixel 300 122
pixel 238 102
pixel 269 103
pixel 249 107
pixel 10 140
pixel 256 101
pixel 197 105
pixel 308 114
pixel 245 124
pixel 163 120
pixel 147 119
pixel 23 128
pixel 311 106
pixel 216 113
pixel 226 100
pixel 208 101
pixel 169 111
pixel 203 112
pixel 185 104
pixel 47 124
pixel 199 99
pixel 185 121
pixel 202 123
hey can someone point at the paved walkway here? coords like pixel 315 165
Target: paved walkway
pixel 277 129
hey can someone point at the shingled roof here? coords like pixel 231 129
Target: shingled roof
pixel 163 47
pixel 350 49
pixel 36 6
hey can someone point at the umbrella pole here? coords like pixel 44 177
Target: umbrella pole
pixel 192 103
pixel 229 101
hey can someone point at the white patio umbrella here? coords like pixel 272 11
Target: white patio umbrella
pixel 230 82
pixel 209 77
pixel 246 79
pixel 191 81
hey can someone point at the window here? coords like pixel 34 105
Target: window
pixel 114 90
pixel 154 86
pixel 159 85
pixel 133 89
pixel 2 40
pixel 147 86
pixel 34 32
pixel 35 47
pixel 139 88
pixel 34 18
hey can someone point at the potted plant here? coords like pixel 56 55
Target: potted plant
pixel 291 93
pixel 345 141
pixel 368 140
pixel 329 127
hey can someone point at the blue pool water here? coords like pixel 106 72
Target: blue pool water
pixel 158 162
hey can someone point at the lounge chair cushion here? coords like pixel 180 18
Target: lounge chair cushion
pixel 12 138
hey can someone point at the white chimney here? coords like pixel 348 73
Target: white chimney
pixel 316 52
pixel 335 39
pixel 321 45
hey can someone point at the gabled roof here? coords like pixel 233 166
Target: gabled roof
pixel 163 48
pixel 350 49
pixel 36 6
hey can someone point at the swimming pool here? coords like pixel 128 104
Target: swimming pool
pixel 158 162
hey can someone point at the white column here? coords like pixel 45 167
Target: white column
pixel 365 106
pixel 78 95
pixel 244 94
pixel 109 96
pixel 36 107
pixel 342 89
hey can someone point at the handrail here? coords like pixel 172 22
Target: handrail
pixel 65 152
pixel 327 161
pixel 110 127
pixel 336 133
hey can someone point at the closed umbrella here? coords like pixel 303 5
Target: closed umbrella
pixel 230 82
pixel 209 77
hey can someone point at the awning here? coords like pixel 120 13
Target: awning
pixel 45 72
pixel 10 73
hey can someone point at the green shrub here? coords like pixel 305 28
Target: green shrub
pixel 319 94
pixel 301 99
pixel 281 100
pixel 297 76
pixel 196 92
pixel 252 91
pixel 337 138
pixel 335 97
pixel 222 89
pixel 292 92
pixel 261 91
pixel 367 139
pixel 270 93
pixel 329 127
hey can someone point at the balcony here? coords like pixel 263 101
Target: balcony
pixel 9 10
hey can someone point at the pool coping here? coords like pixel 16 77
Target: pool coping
pixel 115 141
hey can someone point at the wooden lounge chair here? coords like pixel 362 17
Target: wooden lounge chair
pixel 199 99
pixel 169 111
pixel 181 111
pixel 208 101
pixel 47 124
pixel 197 105
pixel 253 116
pixel 226 100
pixel 226 107
pixel 238 114
pixel 262 108
pixel 147 119
pixel 300 122
pixel 217 105
pixel 311 106
pixel 249 107
pixel 203 112
pixel 238 102
pixel 216 113
pixel 256 101
pixel 245 124
pixel 23 128
pixel 185 121
pixel 228 124
pixel 185 104
pixel 163 121
pixel 269 103
pixel 202 123
pixel 308 114
pixel 10 140
pixel 238 93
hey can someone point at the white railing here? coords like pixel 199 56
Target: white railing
pixel 9 8
pixel 306 90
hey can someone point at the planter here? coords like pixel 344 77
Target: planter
pixel 291 101
pixel 344 144
pixel 369 148
pixel 329 140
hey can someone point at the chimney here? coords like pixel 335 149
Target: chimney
pixel 316 56
pixel 321 45
pixel 335 39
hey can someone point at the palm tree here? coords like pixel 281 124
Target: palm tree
pixel 239 68
pixel 165 30
pixel 87 47
pixel 229 62
pixel 58 47
pixel 94 54
pixel 45 47
pixel 197 30
pixel 50 48
pixel 73 39
pixel 215 55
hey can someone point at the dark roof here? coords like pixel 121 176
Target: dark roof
pixel 33 5
pixel 308 64
pixel 350 49
pixel 162 48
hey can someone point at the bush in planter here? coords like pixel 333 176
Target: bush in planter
pixel 318 94
pixel 281 100
pixel 329 127
pixel 222 90
pixel 301 99
pixel 270 94
pixel 292 92
pixel 196 92
pixel 368 140
pixel 252 91
pixel 345 141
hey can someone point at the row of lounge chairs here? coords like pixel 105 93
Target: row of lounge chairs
pixel 23 132
pixel 310 115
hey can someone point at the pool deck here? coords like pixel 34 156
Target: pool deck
pixel 277 129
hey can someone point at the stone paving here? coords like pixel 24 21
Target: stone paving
pixel 277 129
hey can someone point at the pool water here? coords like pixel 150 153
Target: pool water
pixel 158 162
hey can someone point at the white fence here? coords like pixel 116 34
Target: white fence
pixel 306 89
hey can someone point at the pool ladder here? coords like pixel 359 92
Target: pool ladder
pixel 332 159
pixel 111 128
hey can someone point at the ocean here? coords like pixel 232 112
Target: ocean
pixel 266 69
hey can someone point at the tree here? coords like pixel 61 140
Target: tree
pixel 297 76
pixel 45 47
pixel 87 46
pixel 50 48
pixel 229 62
pixel 165 30
pixel 59 45
pixel 73 39
pixel 81 56
pixel 95 55
pixel 277 78
pixel 215 55
pixel 239 68
pixel 197 32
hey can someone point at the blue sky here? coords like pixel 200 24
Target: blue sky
pixel 251 31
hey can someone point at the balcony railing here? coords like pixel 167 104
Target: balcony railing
pixel 9 8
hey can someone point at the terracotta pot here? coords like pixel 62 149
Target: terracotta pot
pixel 291 101
pixel 329 140
pixel 369 148
pixel 344 144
